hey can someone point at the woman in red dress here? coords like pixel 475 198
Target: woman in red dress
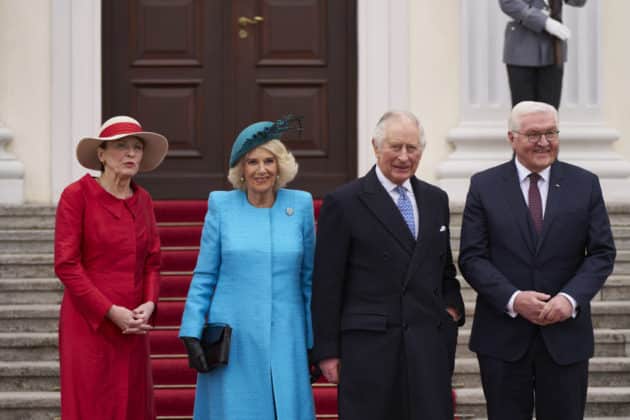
pixel 107 255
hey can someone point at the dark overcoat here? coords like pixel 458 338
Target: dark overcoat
pixel 379 302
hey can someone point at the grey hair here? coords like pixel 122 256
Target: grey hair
pixel 287 166
pixel 528 107
pixel 380 132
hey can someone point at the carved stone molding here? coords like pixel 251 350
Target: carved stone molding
pixel 480 139
pixel 11 172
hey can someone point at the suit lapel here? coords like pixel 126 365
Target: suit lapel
pixel 510 189
pixel 426 218
pixel 554 198
pixel 380 203
pixel 426 213
pixel 105 199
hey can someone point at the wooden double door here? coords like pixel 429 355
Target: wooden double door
pixel 199 71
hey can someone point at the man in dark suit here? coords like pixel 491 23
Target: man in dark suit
pixel 535 48
pixel 386 303
pixel 536 245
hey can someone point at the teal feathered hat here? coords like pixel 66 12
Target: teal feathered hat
pixel 260 133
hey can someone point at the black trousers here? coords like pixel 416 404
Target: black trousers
pixel 541 84
pixel 514 389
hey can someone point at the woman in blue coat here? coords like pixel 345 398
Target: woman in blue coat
pixel 254 273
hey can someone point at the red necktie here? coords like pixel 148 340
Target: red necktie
pixel 535 202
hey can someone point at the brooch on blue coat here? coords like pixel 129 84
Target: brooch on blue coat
pixel 289 211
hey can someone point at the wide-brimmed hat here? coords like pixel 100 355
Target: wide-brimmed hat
pixel 155 145
pixel 260 133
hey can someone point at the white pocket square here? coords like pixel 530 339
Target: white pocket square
pixel 442 228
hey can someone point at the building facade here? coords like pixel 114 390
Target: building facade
pixel 441 60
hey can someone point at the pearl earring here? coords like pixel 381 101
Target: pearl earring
pixel 242 179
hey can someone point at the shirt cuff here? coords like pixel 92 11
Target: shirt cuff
pixel 510 306
pixel 573 303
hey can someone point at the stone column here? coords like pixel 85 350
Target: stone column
pixel 11 172
pixel 480 139
pixel 383 66
pixel 76 84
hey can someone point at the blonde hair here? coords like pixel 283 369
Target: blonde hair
pixel 287 166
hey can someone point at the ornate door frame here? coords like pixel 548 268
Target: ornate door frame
pixel 383 72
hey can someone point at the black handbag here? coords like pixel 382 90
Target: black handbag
pixel 215 342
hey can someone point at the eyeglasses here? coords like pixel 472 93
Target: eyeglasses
pixel 535 137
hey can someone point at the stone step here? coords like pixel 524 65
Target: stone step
pixel 605 314
pixel 608 343
pixel 27 241
pixel 617 287
pixel 33 216
pixel 29 406
pixel 622 263
pixel 601 402
pixel 27 216
pixel 24 346
pixel 29 376
pixel 43 375
pixel 29 318
pixel 622 236
pixel 23 291
pixel 619 214
pixel 43 345
pixel 16 318
pixel 26 265
pixel 603 371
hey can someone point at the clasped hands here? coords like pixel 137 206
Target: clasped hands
pixel 132 321
pixel 542 309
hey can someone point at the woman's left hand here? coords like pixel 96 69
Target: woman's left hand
pixel 143 313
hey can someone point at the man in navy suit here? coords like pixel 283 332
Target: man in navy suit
pixel 386 304
pixel 536 245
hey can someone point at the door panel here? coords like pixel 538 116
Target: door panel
pixel 184 68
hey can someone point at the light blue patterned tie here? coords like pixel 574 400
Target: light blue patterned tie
pixel 406 209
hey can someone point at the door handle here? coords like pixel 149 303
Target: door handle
pixel 243 21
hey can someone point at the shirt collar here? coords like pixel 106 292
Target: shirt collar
pixel 523 172
pixel 388 184
pixel 114 205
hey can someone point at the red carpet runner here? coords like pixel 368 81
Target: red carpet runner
pixel 180 224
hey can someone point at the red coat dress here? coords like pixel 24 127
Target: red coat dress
pixel 107 251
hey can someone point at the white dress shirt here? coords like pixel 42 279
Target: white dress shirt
pixel 543 187
pixel 390 187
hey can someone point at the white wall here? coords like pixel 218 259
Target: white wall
pixel 25 89
pixel 434 72
pixel 435 81
pixel 616 71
